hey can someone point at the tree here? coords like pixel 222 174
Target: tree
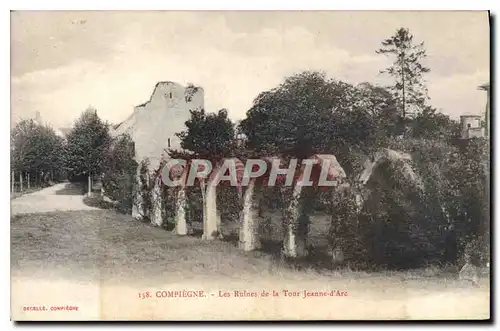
pixel 44 154
pixel 382 106
pixel 20 139
pixel 36 150
pixel 311 114
pixel 292 118
pixel 407 70
pixel 86 146
pixel 208 135
pixel 433 125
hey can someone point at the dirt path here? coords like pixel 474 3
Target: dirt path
pixel 60 197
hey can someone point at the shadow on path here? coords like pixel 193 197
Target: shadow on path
pixel 71 189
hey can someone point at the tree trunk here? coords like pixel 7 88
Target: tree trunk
pixel 21 182
pixel 29 181
pixel 13 180
pixel 404 95
pixel 90 186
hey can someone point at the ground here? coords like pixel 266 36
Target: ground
pixel 17 194
pixel 105 262
pixel 60 197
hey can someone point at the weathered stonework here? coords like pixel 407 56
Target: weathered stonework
pixel 153 127
pixel 249 221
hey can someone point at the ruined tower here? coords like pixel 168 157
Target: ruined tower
pixel 471 126
pixel 153 124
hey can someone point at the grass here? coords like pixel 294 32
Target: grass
pixel 110 245
pixel 114 245
pixel 114 254
pixel 98 202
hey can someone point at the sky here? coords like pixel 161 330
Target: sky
pixel 62 62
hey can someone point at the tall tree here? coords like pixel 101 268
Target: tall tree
pixel 296 118
pixel 407 70
pixel 36 149
pixel 382 107
pixel 311 113
pixel 86 146
pixel 20 138
pixel 208 135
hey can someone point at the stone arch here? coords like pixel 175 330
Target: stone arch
pixel 379 158
pixel 390 199
pixel 326 168
pixel 181 202
pixel 211 214
pixel 249 219
pixel 211 217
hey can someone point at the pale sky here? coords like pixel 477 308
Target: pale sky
pixel 62 62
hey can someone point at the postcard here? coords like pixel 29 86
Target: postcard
pixel 250 165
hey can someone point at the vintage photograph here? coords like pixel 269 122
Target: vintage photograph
pixel 250 165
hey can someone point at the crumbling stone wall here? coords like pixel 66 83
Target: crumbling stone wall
pixel 153 126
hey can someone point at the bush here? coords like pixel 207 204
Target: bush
pixel 145 186
pixel 119 173
pixel 168 206
pixel 404 227
pixel 346 231
pixel 194 212
pixel 98 202
pixel 228 203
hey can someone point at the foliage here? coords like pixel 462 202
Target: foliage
pixel 407 70
pixel 295 118
pixel 119 172
pixel 168 206
pixel 403 226
pixel 400 225
pixel 229 203
pixel 87 145
pixel 310 113
pixel 346 231
pixel 145 187
pixel 98 202
pixel 36 149
pixel 433 125
pixel 208 135
pixel 194 210
pixel 397 233
pixel 382 106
